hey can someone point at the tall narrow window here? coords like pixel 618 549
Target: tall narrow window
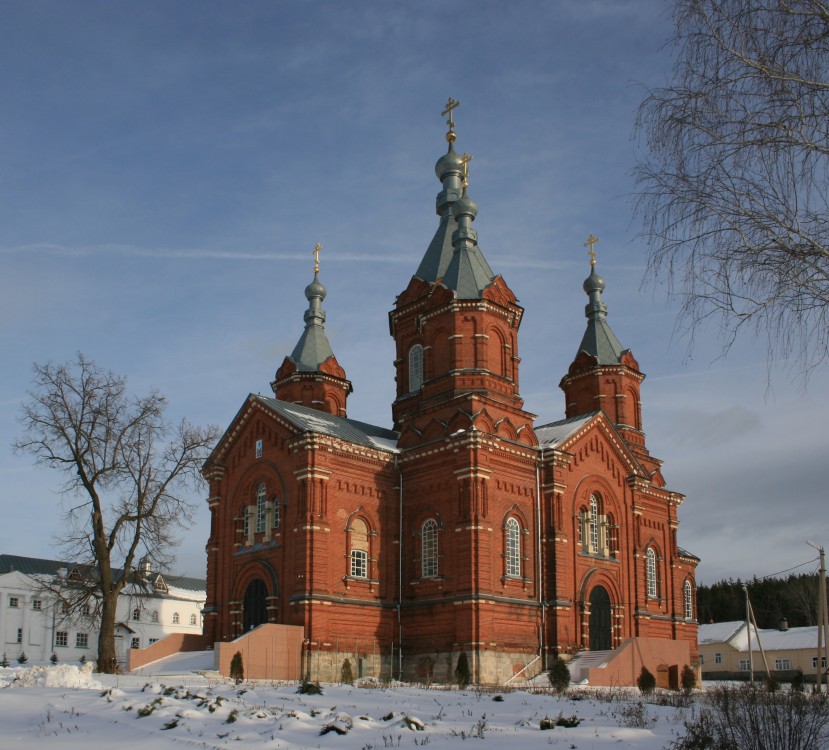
pixel 650 572
pixel 415 368
pixel 593 522
pixel 359 546
pixel 612 535
pixel 176 618
pixel 275 512
pixel 513 541
pixel 429 549
pixel 260 507
pixel 689 600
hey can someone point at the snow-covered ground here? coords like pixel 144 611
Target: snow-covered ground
pixel 74 709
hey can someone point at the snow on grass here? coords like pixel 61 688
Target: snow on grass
pixel 66 707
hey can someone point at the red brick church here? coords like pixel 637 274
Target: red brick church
pixel 465 526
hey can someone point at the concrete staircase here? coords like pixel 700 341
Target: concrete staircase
pixel 580 664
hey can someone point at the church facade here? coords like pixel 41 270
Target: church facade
pixel 463 527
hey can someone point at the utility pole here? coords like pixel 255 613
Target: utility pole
pixel 822 619
pixel 748 633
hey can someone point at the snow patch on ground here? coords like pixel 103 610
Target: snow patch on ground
pixel 58 676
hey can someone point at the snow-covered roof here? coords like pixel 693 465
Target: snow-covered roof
pixel 313 420
pixel 772 639
pixel 555 433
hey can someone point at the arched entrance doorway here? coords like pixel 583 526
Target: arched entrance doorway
pixel 600 637
pixel 255 608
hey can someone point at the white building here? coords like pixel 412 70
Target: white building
pixel 724 650
pixel 34 619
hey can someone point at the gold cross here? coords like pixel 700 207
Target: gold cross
pixel 466 158
pixel 317 249
pixel 450 105
pixel 591 241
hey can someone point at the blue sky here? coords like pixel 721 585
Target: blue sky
pixel 166 169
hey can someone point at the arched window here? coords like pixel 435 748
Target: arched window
pixel 650 572
pixel 176 618
pixel 359 563
pixel 193 619
pixel 245 521
pixel 429 549
pixel 359 545
pixel 513 543
pixel 261 507
pixel 688 598
pixel 593 524
pixel 415 368
pixel 136 614
pixel 275 512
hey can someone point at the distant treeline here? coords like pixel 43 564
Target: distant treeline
pixel 773 599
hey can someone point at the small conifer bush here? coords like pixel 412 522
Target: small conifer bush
pixel 559 676
pixel 346 675
pixel 22 659
pixel 646 682
pixel 4 662
pixel 688 679
pixel 237 668
pixel 54 657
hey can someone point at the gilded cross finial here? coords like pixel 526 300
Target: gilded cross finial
pixel 317 249
pixel 450 106
pixel 591 241
pixel 466 158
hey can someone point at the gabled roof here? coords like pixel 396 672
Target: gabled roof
pixel 557 434
pixel 735 634
pixel 306 419
pixel 553 434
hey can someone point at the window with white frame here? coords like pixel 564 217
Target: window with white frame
pixel 745 665
pixel 650 572
pixel 593 524
pixel 61 638
pixel 176 618
pixel 14 601
pixel 135 643
pixel 429 549
pixel 20 635
pixel 37 604
pixel 415 368
pixel 358 542
pixel 612 535
pixel 155 615
pixel 359 563
pixel 192 619
pixel 822 661
pixel 81 640
pixel 275 512
pixel 152 641
pixel 717 658
pixel 513 545
pixel 136 614
pixel 688 598
pixel 782 664
pixel 261 507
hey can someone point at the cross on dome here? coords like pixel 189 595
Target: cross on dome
pixel 591 241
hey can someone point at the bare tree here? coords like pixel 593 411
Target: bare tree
pixel 733 191
pixel 127 473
